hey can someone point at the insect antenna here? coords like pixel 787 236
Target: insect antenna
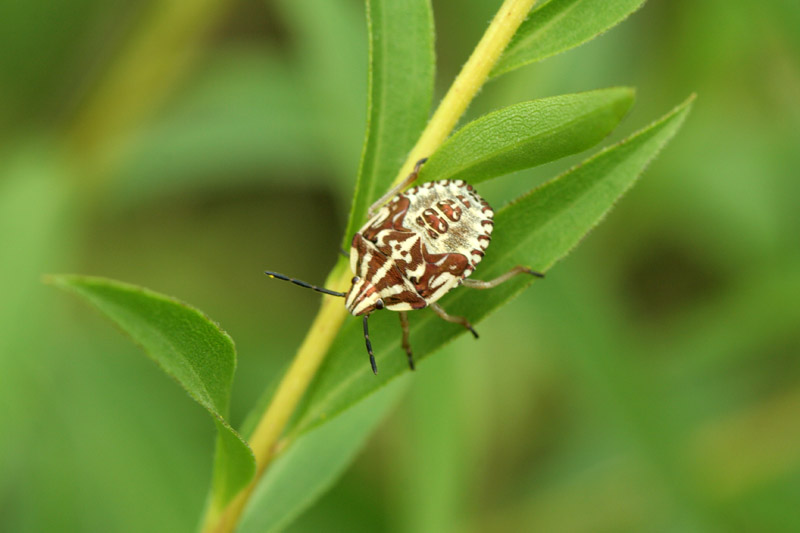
pixel 275 275
pixel 369 346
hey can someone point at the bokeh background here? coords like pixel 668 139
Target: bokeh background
pixel 650 383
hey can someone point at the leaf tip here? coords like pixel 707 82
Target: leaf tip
pixel 62 281
pixel 688 102
pixel 630 92
pixel 627 96
pixel 683 108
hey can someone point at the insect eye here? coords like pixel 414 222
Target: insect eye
pixel 355 279
pixel 379 304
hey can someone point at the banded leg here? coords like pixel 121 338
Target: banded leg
pixel 454 319
pixel 478 284
pixel 402 185
pixel 369 346
pixel 406 344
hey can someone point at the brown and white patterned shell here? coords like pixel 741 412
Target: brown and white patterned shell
pixel 421 244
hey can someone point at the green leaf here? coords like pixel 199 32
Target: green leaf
pixel 187 346
pixel 536 230
pixel 559 25
pixel 528 134
pixel 401 69
pixel 312 463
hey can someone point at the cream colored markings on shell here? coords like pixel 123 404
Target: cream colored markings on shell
pixel 378 279
pixel 416 248
pixel 440 232
pixel 431 237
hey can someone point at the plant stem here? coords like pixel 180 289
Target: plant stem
pixel 288 394
pixel 469 81
pixel 332 313
pixel 153 59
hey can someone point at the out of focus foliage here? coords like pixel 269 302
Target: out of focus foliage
pixel 651 382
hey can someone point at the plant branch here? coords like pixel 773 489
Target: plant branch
pixel 158 52
pixel 288 394
pixel 332 313
pixel 468 82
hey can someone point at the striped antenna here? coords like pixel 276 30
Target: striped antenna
pixel 275 275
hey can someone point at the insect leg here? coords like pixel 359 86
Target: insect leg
pixel 455 319
pixel 402 185
pixel 369 346
pixel 478 284
pixel 406 344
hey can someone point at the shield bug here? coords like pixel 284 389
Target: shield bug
pixel 417 246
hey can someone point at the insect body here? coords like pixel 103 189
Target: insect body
pixel 420 245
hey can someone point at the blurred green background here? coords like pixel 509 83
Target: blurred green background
pixel 650 383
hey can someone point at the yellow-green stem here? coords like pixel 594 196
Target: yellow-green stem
pixel 332 313
pixel 469 81
pixel 159 51
pixel 288 394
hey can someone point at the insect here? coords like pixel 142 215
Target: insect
pixel 414 249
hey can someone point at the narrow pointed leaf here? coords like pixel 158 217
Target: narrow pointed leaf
pixel 559 25
pixel 536 230
pixel 401 68
pixel 187 346
pixel 528 134
pixel 313 462
pixel 401 71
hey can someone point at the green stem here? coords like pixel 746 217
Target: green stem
pixel 332 313
pixel 160 50
pixel 469 81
